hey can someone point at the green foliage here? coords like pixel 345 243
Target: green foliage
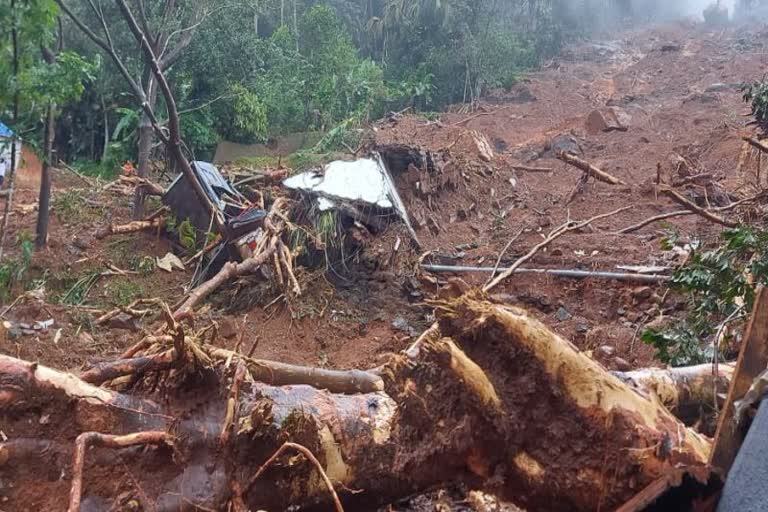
pixel 188 235
pixel 756 94
pixel 13 269
pixel 78 292
pixel 145 265
pixel 124 291
pixel 718 284
pixel 249 117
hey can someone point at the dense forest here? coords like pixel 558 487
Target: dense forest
pixel 246 71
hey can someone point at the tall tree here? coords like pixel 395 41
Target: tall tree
pixel 152 57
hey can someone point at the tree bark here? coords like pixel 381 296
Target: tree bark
pixel 493 398
pixel 146 140
pixel 43 213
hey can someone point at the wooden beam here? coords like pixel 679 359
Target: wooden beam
pixel 753 359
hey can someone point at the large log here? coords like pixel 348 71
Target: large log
pixel 491 397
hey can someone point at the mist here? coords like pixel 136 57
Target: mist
pixel 696 7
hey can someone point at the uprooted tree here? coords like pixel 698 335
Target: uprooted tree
pixel 489 396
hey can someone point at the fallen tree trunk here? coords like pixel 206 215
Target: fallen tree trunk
pixel 492 398
pixel 684 391
pixel 588 169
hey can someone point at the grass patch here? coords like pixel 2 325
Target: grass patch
pixel 71 207
pixel 124 291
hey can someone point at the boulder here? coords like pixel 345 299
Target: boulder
pixel 608 119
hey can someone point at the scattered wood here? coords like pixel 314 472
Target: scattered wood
pixel 656 218
pixel 699 179
pixel 679 213
pixel 269 249
pixel 712 217
pixel 481 114
pixel 130 309
pixel 131 227
pixel 588 168
pixel 526 168
pixel 568 227
pixel 755 143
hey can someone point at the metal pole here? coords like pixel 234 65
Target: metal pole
pixel 574 274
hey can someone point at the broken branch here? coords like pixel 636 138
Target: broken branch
pixel 682 201
pixel 588 168
pixel 554 235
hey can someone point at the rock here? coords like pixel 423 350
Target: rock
pixel 582 328
pixel 622 365
pixel 401 324
pixel 227 328
pixel 703 98
pixel 718 87
pixel 563 315
pixel 606 351
pixel 567 143
pixel 82 243
pixel 621 311
pixel 125 322
pixel 642 293
pixel 521 94
pixel 609 119
pixel 668 48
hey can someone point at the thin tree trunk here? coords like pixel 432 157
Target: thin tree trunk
pixel 105 114
pixel 45 180
pixel 146 139
pixel 12 171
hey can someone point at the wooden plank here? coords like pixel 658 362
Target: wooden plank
pixel 753 359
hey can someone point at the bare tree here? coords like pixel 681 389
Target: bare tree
pixel 156 57
pixel 168 38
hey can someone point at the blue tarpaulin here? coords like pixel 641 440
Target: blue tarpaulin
pixel 5 131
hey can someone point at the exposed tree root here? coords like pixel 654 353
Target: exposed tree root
pixel 308 454
pixel 88 439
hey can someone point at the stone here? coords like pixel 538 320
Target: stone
pixel 621 364
pixel 582 328
pixel 125 322
pixel 718 87
pixel 606 351
pixel 227 328
pixel 670 48
pixel 621 311
pixel 401 324
pixel 563 315
pixel 567 143
pixel 609 119
pixel 642 293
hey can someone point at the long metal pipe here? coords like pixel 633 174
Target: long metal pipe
pixel 574 274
